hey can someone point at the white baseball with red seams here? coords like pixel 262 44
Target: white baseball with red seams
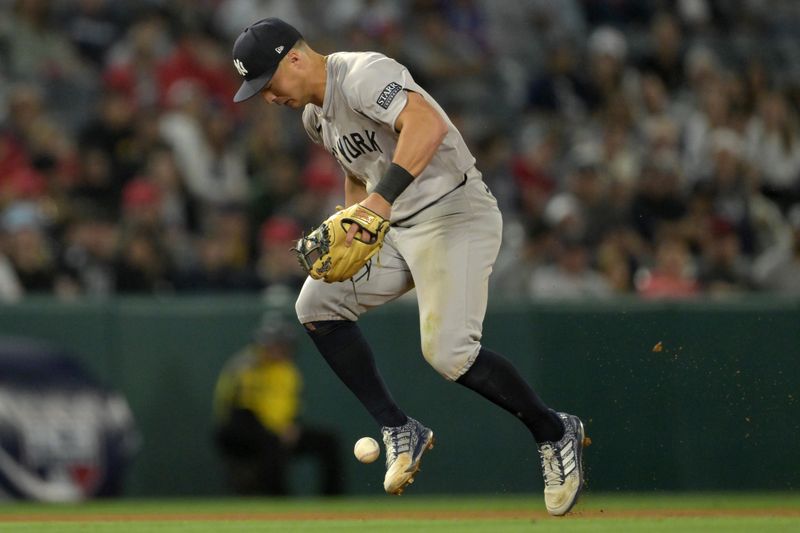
pixel 366 450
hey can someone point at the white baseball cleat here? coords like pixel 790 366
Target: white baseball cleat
pixel 405 446
pixel 562 466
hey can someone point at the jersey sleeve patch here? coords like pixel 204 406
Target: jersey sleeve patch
pixel 387 94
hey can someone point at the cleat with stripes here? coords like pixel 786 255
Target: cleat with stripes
pixel 405 446
pixel 562 466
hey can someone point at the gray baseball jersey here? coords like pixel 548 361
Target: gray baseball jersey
pixel 446 227
pixel 365 93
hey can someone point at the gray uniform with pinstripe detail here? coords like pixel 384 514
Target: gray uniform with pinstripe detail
pixel 446 227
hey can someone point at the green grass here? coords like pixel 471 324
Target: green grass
pixel 656 512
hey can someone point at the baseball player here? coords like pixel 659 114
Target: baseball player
pixel 404 161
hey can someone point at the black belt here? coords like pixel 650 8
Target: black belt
pixel 463 182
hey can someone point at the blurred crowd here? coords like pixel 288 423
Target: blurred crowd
pixel 635 146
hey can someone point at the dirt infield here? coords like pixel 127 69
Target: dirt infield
pixel 409 515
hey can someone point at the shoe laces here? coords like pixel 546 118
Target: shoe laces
pixel 397 440
pixel 552 465
pixel 552 455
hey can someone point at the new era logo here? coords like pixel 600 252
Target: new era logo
pixel 239 66
pixel 279 49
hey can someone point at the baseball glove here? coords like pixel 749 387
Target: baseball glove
pixel 323 254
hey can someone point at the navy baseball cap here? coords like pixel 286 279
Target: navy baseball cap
pixel 257 52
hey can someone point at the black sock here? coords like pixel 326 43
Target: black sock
pixel 345 349
pixel 495 378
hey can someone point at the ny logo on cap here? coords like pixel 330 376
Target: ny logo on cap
pixel 239 66
pixel 279 49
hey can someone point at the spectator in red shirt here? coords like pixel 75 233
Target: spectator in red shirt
pixel 672 275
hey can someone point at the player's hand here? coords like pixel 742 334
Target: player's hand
pixel 354 231
pixel 376 203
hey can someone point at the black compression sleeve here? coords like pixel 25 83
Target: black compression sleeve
pixel 394 182
pixel 345 349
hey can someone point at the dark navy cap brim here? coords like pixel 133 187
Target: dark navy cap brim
pixel 250 88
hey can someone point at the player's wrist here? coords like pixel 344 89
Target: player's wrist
pixel 378 205
pixel 393 183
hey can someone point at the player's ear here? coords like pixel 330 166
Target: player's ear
pixel 295 56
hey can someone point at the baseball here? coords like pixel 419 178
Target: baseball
pixel 366 449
